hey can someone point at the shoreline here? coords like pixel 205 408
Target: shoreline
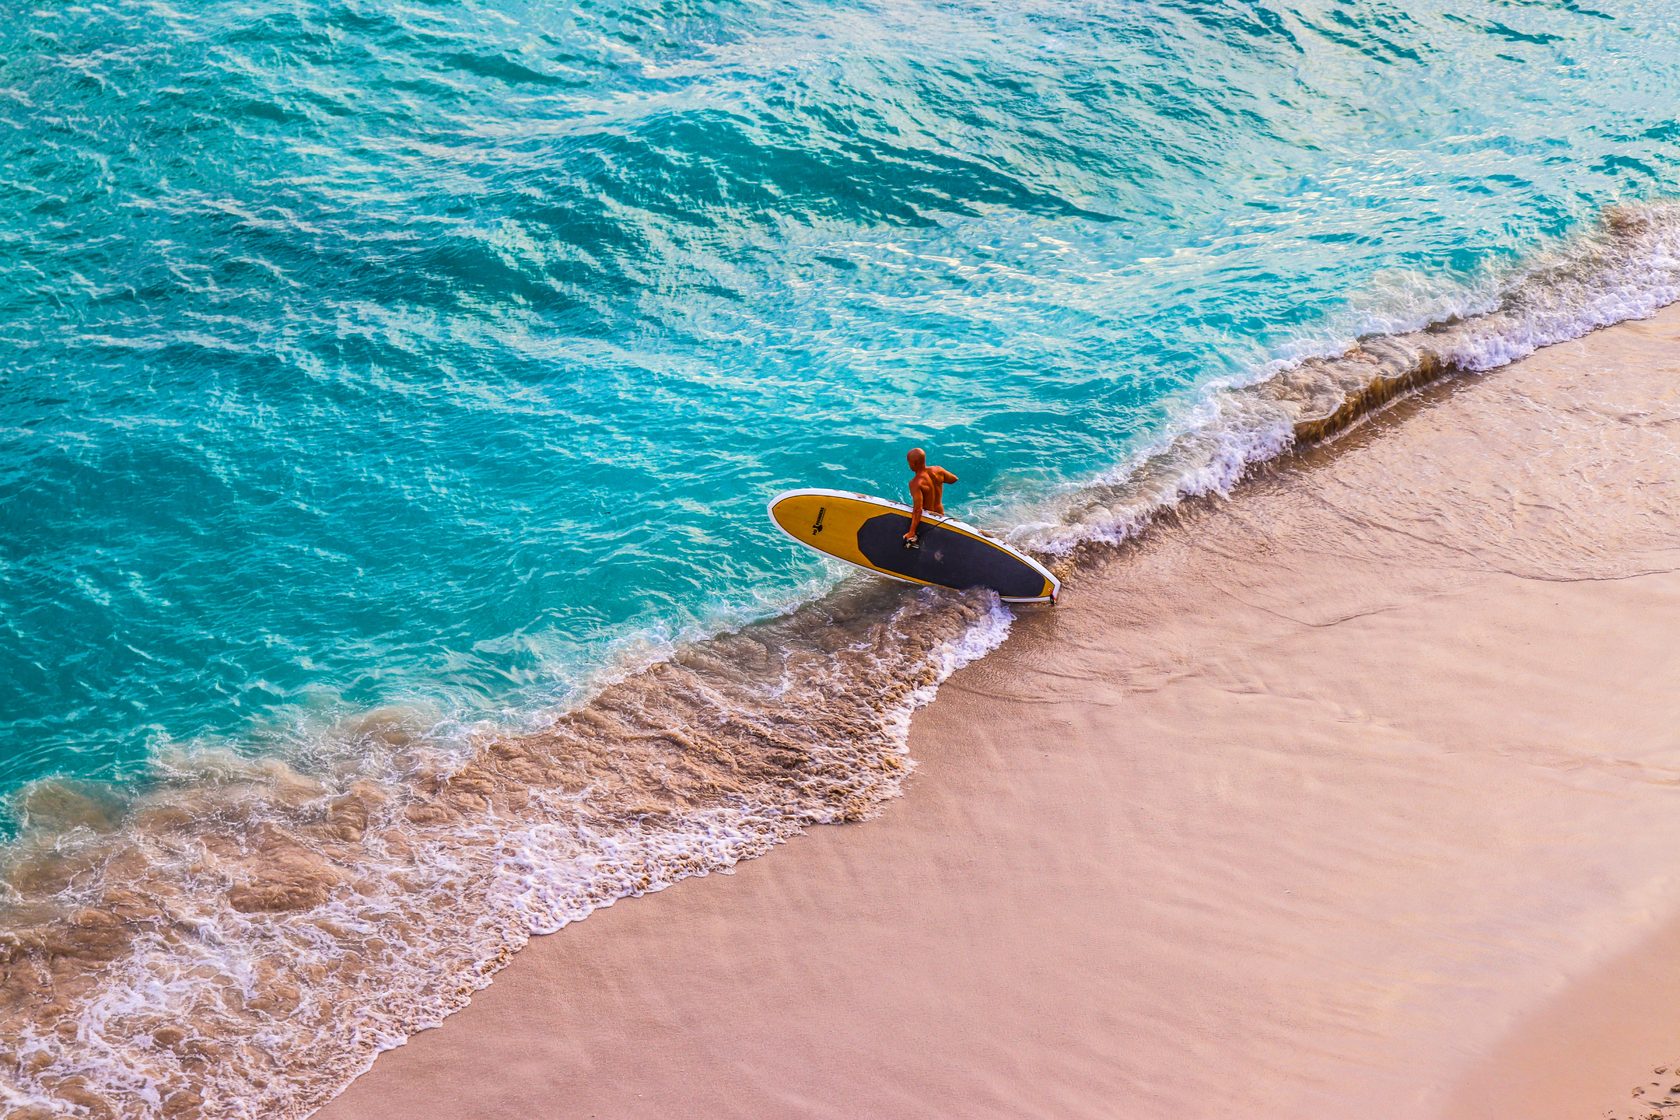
pixel 1211 763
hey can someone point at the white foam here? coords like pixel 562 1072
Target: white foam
pixel 1628 268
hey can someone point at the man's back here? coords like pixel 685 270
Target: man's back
pixel 928 484
pixel 927 491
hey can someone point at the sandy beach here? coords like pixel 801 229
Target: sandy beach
pixel 1353 794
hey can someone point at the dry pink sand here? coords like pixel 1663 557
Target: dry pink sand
pixel 1355 795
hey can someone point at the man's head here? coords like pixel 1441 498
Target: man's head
pixel 917 458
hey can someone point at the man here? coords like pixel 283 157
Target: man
pixel 927 491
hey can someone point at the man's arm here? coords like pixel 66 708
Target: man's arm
pixel 946 476
pixel 915 512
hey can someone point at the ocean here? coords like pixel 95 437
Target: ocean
pixel 390 397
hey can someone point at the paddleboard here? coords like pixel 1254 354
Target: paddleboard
pixel 869 532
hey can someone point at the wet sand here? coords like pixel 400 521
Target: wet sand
pixel 1356 794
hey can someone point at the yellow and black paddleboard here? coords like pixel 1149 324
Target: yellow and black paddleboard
pixel 869 532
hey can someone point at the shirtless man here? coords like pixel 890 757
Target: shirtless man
pixel 927 491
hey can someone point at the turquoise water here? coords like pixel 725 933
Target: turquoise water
pixel 378 379
pixel 436 355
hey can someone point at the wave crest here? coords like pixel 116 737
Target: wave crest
pixel 1626 266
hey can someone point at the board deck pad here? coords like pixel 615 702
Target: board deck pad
pixel 869 532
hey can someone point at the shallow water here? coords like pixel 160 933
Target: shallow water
pixel 378 384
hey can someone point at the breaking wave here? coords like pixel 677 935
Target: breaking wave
pixel 1625 267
